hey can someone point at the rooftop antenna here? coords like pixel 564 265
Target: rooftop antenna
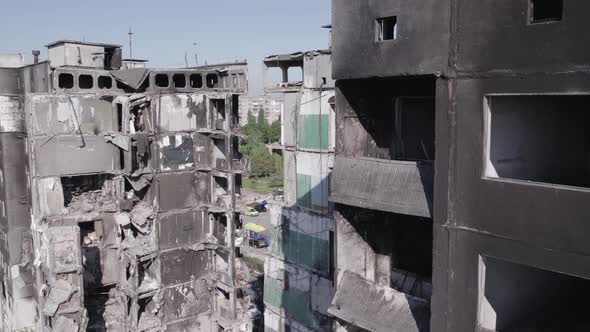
pixel 130 33
pixel 196 58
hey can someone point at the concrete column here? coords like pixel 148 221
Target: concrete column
pixel 285 71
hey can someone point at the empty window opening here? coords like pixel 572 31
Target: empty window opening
pixel 515 297
pixel 218 111
pixel 235 112
pixel 212 81
pixel 196 81
pixel 179 80
pixel 65 81
pixel 414 134
pixel 90 238
pixel 140 152
pixel 546 10
pixel 220 153
pixel 119 117
pixel 387 28
pixel 105 82
pixel 85 81
pixel 221 192
pixel 162 80
pixel 541 138
pixel 295 74
pixel 87 193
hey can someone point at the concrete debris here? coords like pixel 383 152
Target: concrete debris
pixel 121 141
pixel 139 183
pixel 61 291
pixel 114 313
pixel 141 217
pixel 122 218
pixel 64 324
pixel 89 201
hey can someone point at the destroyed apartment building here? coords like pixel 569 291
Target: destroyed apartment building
pixel 461 177
pixel 299 274
pixel 118 186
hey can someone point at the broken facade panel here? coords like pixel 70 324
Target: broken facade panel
pixel 299 269
pixel 115 226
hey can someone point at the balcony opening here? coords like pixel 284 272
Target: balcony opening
pixel 546 10
pixel 105 82
pixel 414 132
pixel 401 246
pixel 540 138
pixel 515 297
pixel 391 119
pixel 386 28
pixel 179 80
pixel 196 81
pixel 212 81
pixel 85 81
pixel 65 81
pixel 162 80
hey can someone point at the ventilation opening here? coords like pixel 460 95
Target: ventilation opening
pixel 85 81
pixel 179 80
pixel 162 80
pixel 65 81
pixel 212 81
pixel 546 10
pixel 541 138
pixel 387 28
pixel 105 82
pixel 196 81
pixel 515 297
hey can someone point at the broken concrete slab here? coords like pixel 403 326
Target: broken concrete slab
pixel 61 291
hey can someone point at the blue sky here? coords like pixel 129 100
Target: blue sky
pixel 223 29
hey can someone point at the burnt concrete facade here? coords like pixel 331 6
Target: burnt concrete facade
pixel 508 83
pixel 118 195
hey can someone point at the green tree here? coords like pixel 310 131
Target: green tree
pixel 263 164
pixel 275 131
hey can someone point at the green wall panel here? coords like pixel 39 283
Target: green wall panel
pixel 313 131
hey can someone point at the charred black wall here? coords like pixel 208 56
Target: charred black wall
pixel 483 48
pixel 420 46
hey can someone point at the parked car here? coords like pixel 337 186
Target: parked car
pixel 257 240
